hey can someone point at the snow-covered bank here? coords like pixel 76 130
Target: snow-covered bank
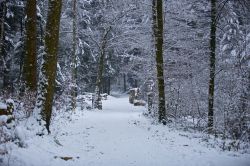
pixel 118 136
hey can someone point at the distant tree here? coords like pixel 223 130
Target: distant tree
pixel 49 64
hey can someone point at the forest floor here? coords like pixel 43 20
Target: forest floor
pixel 119 135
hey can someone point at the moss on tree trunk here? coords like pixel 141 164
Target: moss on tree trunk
pixel 30 66
pixel 49 66
pixel 157 8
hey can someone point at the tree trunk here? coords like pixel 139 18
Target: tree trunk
pixel 30 59
pixel 97 102
pixel 5 57
pixel 3 13
pixel 136 83
pixel 74 60
pixel 105 85
pixel 212 66
pixel 124 83
pixel 21 58
pixel 150 102
pixel 2 32
pixel 158 34
pixel 49 64
pixel 109 85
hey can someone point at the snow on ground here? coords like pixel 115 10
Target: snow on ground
pixel 118 136
pixel 3 106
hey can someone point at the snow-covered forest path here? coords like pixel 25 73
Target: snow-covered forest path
pixel 119 136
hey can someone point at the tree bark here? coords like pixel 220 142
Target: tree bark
pixel 49 64
pixel 158 34
pixel 30 59
pixel 212 66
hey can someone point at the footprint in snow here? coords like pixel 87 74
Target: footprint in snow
pixel 89 148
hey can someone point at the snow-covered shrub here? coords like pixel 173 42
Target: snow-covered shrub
pixel 7 128
pixel 10 131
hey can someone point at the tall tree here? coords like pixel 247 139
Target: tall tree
pixel 97 102
pixel 49 64
pixel 5 45
pixel 10 15
pixel 29 67
pixel 212 65
pixel 233 59
pixel 3 13
pixel 74 59
pixel 157 6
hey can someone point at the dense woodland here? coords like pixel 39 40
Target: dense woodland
pixel 188 59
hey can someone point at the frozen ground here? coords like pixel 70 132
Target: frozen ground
pixel 118 136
